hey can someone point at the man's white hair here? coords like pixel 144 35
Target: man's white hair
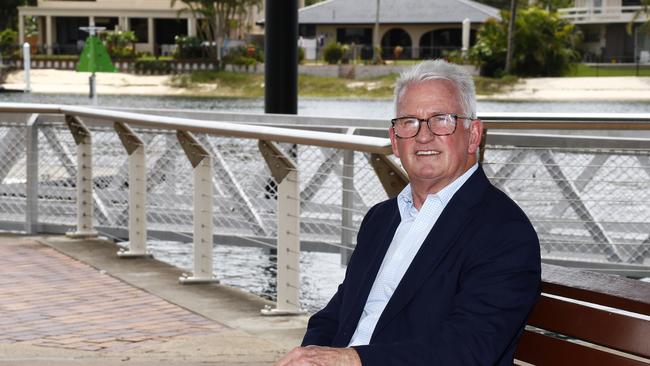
pixel 440 69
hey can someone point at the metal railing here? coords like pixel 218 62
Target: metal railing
pixel 584 180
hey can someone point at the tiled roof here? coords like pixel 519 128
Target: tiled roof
pixel 396 11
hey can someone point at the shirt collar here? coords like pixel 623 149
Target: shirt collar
pixel 405 197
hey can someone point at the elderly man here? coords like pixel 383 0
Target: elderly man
pixel 445 273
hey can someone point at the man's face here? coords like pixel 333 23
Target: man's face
pixel 432 162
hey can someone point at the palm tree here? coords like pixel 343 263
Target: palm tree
pixel 643 11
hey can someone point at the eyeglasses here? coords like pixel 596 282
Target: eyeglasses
pixel 440 124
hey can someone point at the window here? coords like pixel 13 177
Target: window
pixel 354 35
pixel 110 23
pixel 307 30
pixel 140 27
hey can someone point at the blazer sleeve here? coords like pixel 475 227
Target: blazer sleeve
pixel 324 325
pixel 499 285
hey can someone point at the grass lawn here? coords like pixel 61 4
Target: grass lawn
pixel 250 85
pixel 610 70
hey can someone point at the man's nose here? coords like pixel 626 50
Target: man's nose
pixel 424 134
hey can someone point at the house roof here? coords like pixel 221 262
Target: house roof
pixel 396 11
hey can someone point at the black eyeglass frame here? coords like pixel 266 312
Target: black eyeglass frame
pixel 455 116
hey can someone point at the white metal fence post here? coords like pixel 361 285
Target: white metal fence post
pixel 31 190
pixel 137 191
pixel 347 203
pixel 347 206
pixel 285 173
pixel 27 65
pixel 202 163
pixel 82 138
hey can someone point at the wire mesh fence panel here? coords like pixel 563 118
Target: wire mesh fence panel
pixel 169 183
pixel 244 189
pixel 586 204
pixel 13 173
pixel 57 171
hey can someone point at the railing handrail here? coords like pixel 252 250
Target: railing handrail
pixel 564 141
pixel 491 120
pixel 278 134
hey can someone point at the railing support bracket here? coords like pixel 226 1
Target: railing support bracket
pixel 285 173
pixel 82 138
pixel 201 161
pixel 137 192
pixel 391 176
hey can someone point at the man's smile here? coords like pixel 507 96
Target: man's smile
pixel 427 152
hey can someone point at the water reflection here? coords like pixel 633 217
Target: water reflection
pixel 254 270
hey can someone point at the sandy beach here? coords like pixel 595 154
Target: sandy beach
pixel 537 89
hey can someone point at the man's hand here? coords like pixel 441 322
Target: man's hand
pixel 320 356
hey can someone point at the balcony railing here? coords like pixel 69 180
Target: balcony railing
pixel 605 14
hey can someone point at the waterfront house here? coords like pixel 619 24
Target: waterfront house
pixel 154 22
pixel 422 28
pixel 605 37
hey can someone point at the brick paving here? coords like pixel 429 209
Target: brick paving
pixel 49 299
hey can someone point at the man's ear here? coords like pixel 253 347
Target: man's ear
pixel 393 141
pixel 475 133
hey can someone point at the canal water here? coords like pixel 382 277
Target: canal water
pixel 253 269
pixel 332 107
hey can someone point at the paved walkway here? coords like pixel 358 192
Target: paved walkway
pixel 55 309
pixel 56 301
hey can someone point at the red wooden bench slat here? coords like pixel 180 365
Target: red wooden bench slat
pixel 542 350
pixel 598 288
pixel 607 328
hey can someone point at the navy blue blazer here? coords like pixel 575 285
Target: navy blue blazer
pixel 463 300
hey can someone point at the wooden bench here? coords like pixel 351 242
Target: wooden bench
pixel 587 318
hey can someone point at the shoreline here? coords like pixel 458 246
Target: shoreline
pixel 561 89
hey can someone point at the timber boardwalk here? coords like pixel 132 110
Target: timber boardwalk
pixel 74 302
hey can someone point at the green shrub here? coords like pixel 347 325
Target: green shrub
pixel 455 56
pixel 120 44
pixel 153 67
pixel 250 51
pixel 8 40
pixel 301 55
pixel 56 57
pixel 544 45
pixel 243 56
pixel 346 55
pixel 188 47
pixel 332 53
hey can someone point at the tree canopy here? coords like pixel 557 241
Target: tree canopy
pixel 9 12
pixel 216 18
pixel 640 13
pixel 545 44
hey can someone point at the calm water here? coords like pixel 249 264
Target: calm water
pixel 317 107
pixel 320 272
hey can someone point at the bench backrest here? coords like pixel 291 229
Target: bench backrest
pixel 587 318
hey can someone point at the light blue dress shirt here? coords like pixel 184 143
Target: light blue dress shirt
pixel 409 236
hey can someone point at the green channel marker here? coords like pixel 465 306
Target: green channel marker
pixel 94 57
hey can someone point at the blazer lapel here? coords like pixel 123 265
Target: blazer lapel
pixel 437 243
